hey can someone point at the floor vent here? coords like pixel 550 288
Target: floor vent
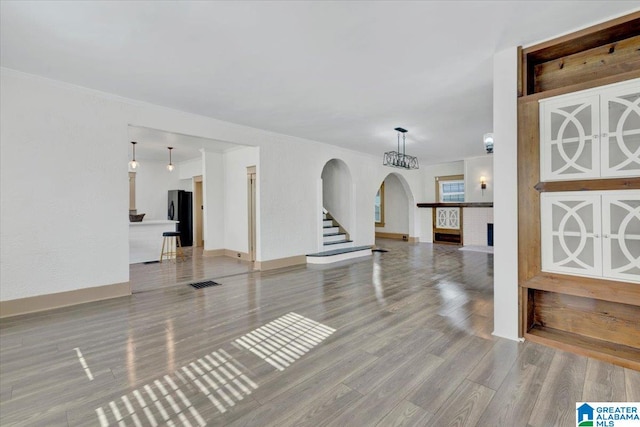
pixel 200 285
pixel 379 250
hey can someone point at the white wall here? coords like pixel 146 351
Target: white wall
pixel 474 225
pixel 213 200
pixel 236 210
pixel 185 184
pixel 64 222
pixel 428 176
pixel 337 189
pixel 505 197
pixel 190 168
pixel 474 168
pixel 153 181
pixel 299 194
pixel 63 187
pixel 396 207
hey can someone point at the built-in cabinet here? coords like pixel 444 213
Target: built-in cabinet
pixel 447 225
pixel 595 234
pixel 578 188
pixel 594 134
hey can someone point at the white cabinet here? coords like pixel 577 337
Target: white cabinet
pixel 448 218
pixel 594 234
pixel 621 235
pixel 591 134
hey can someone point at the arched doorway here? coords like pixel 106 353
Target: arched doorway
pixel 337 194
pixel 394 209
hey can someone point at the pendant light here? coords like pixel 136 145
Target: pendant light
pixel 170 166
pixel 400 159
pixel 133 164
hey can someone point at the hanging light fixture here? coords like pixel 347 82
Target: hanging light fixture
pixel 133 164
pixel 399 159
pixel 170 166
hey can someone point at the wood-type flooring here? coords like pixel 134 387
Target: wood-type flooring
pixel 399 338
pixel 150 276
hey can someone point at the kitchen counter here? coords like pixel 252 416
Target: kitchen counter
pixel 145 239
pixel 153 222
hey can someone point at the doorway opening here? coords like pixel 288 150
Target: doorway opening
pixel 251 203
pixel 393 209
pixel 198 212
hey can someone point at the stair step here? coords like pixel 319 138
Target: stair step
pixel 340 251
pixel 330 230
pixel 338 242
pixel 336 237
pixel 341 244
pixel 336 255
pixel 327 223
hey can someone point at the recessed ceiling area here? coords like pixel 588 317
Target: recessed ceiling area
pixel 342 73
pixel 152 145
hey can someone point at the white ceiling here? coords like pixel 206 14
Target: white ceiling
pixel 344 73
pixel 152 144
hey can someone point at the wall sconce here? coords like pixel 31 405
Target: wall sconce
pixel 133 164
pixel 487 140
pixel 483 184
pixel 170 166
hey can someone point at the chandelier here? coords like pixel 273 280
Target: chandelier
pixel 397 159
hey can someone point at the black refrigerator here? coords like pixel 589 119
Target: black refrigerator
pixel 180 209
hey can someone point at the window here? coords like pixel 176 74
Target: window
pixel 450 189
pixel 379 215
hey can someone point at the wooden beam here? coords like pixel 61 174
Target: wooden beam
pixel 528 197
pixel 589 185
pixel 603 81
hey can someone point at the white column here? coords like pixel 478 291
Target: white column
pixel 505 194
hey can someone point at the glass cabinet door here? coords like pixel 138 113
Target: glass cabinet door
pixel 621 235
pixel 570 226
pixel 569 136
pixel 620 131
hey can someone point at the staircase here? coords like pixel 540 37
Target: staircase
pixel 333 236
pixel 336 245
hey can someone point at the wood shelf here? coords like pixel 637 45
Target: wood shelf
pixel 605 290
pixel 628 357
pixel 580 57
pixel 456 205
pixel 589 185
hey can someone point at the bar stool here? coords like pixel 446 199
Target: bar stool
pixel 171 239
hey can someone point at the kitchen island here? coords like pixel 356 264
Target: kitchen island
pixel 145 239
